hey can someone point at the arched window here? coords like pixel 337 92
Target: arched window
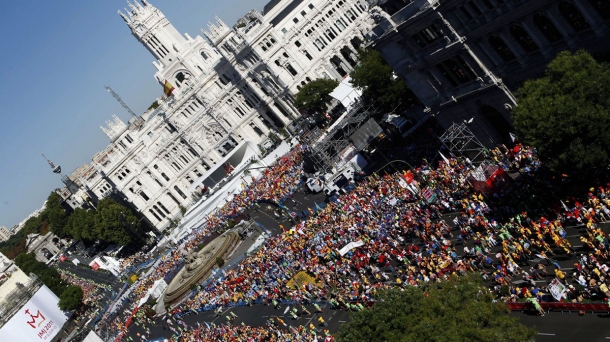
pixel 144 196
pixel 256 129
pixel 180 77
pixel 173 198
pixel 179 192
pixel 165 176
pixel 307 55
pixel 573 16
pixel 291 69
pixel 154 214
pixel 163 207
pixel 204 55
pixel 546 26
pixel 501 48
pixel 159 211
pixel 523 38
pixel 603 7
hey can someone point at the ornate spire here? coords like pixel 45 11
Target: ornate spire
pixel 123 16
pixel 145 3
pixel 133 8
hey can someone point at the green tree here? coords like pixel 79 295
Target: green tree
pixel 154 105
pixel 71 299
pixel 566 113
pixel 49 276
pixel 459 309
pixel 315 96
pixel 380 86
pixel 57 219
pixel 115 223
pixel 81 224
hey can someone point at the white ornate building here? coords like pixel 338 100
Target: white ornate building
pixel 236 86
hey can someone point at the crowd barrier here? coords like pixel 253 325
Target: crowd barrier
pixel 562 307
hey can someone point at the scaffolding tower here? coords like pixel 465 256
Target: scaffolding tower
pixel 460 141
pixel 326 148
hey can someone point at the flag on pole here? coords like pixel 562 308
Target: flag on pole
pixel 168 88
pixel 512 137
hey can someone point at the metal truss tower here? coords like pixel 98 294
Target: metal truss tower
pixel 326 148
pixel 460 141
pixel 137 120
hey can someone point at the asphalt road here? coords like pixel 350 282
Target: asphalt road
pixel 253 316
pixel 88 273
pixel 558 327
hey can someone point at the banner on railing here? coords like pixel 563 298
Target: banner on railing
pixel 557 289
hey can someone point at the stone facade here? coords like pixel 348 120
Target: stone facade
pixel 464 59
pixel 238 85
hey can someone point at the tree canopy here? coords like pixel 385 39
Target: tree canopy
pixel 115 223
pixel 315 96
pixel 71 299
pixel 565 114
pixel 48 275
pixel 459 309
pixel 80 225
pixel 379 85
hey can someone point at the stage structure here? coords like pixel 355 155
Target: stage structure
pixel 343 139
pixel 460 141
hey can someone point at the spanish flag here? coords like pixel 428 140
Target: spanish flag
pixel 168 88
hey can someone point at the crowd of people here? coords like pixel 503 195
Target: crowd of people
pixel 276 183
pixel 92 292
pixel 402 239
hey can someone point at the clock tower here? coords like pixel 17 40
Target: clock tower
pixel 153 30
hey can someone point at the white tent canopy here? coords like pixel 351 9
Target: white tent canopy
pixel 346 93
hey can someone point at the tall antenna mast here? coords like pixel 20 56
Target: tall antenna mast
pixel 118 98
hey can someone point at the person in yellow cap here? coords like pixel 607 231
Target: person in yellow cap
pixel 322 323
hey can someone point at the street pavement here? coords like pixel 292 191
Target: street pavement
pixel 558 327
pixel 101 278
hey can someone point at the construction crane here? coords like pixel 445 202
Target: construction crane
pixel 138 120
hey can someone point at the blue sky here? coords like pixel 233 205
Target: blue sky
pixel 56 58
